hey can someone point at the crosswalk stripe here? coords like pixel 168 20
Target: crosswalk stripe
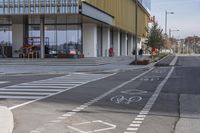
pixel 59 82
pixel 33 90
pixel 3 82
pixel 46 84
pixel 54 83
pixel 39 89
pixel 24 93
pixel 38 86
pixel 20 97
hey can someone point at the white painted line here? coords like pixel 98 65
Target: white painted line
pixel 133 92
pixel 107 93
pixel 76 110
pixel 35 132
pixel 38 86
pixel 141 116
pixel 139 119
pixel 79 108
pixel 144 112
pixel 66 89
pixel 111 126
pixel 24 93
pixel 134 125
pixel 72 113
pixel 129 132
pixel 67 115
pixel 82 123
pixel 132 129
pixel 32 90
pixel 83 106
pixel 75 129
pixel 153 98
pixel 3 82
pixel 21 97
pixel 100 130
pixel 137 122
pixel 45 84
pixel 174 61
pixel 58 82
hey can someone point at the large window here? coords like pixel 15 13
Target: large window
pixel 5 35
pixel 62 38
pixel 62 33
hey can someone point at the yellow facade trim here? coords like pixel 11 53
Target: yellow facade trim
pixel 124 14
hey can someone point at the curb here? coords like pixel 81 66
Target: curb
pixel 6 120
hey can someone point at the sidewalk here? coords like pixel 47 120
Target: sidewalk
pixel 53 66
pixel 189 117
pixel 6 120
pixel 89 61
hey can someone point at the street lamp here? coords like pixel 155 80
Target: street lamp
pixel 170 36
pixel 170 32
pixel 167 13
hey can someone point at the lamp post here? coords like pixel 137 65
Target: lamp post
pixel 170 32
pixel 136 30
pixel 170 36
pixel 166 14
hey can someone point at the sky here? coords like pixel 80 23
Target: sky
pixel 186 17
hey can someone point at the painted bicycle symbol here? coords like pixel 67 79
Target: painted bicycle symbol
pixel 122 100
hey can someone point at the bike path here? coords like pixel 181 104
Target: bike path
pixel 98 112
pixel 34 115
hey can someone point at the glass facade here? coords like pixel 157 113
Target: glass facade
pixel 6 35
pixel 61 34
pixel 9 7
pixel 63 38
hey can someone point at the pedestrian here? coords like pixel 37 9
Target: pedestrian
pixel 141 52
pixel 134 52
pixel 111 52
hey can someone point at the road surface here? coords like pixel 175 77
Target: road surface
pixel 162 99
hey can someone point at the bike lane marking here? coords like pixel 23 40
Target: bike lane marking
pixel 86 105
pixel 136 124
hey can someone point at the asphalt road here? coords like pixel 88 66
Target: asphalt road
pixel 157 100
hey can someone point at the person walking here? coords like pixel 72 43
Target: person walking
pixel 141 52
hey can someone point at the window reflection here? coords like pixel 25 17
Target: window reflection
pixel 62 38
pixel 6 35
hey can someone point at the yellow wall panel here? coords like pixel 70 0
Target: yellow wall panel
pixel 124 14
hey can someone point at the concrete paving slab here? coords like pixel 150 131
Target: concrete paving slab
pixel 186 125
pixel 189 114
pixel 6 120
pixel 190 106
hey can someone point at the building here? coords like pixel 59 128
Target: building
pixel 92 26
pixel 193 44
